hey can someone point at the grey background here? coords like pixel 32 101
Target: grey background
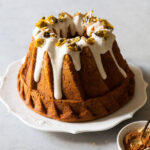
pixel 17 19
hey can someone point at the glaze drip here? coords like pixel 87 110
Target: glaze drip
pixel 78 24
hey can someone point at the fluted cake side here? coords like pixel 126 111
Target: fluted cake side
pixel 77 76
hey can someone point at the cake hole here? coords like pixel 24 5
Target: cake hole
pixel 69 35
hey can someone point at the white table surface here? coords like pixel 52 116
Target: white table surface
pixel 17 19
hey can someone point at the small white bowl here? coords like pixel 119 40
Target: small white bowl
pixel 128 128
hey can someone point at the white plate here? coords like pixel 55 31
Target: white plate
pixel 10 97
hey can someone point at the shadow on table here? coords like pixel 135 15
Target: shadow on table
pixel 95 138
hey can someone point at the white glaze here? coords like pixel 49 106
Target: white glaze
pixel 97 26
pixel 79 27
pixel 57 55
pixel 101 46
pixel 121 70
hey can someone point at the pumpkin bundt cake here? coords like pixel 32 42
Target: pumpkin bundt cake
pixel 74 70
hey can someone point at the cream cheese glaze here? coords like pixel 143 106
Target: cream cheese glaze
pixel 57 53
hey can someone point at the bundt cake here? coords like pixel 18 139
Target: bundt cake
pixel 74 70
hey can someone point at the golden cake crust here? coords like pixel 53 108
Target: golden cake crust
pixel 86 96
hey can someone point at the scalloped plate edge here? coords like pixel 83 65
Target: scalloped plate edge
pixel 125 117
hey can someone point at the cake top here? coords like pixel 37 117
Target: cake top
pixel 69 29
pixel 69 35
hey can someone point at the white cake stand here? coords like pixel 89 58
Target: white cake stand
pixel 10 97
